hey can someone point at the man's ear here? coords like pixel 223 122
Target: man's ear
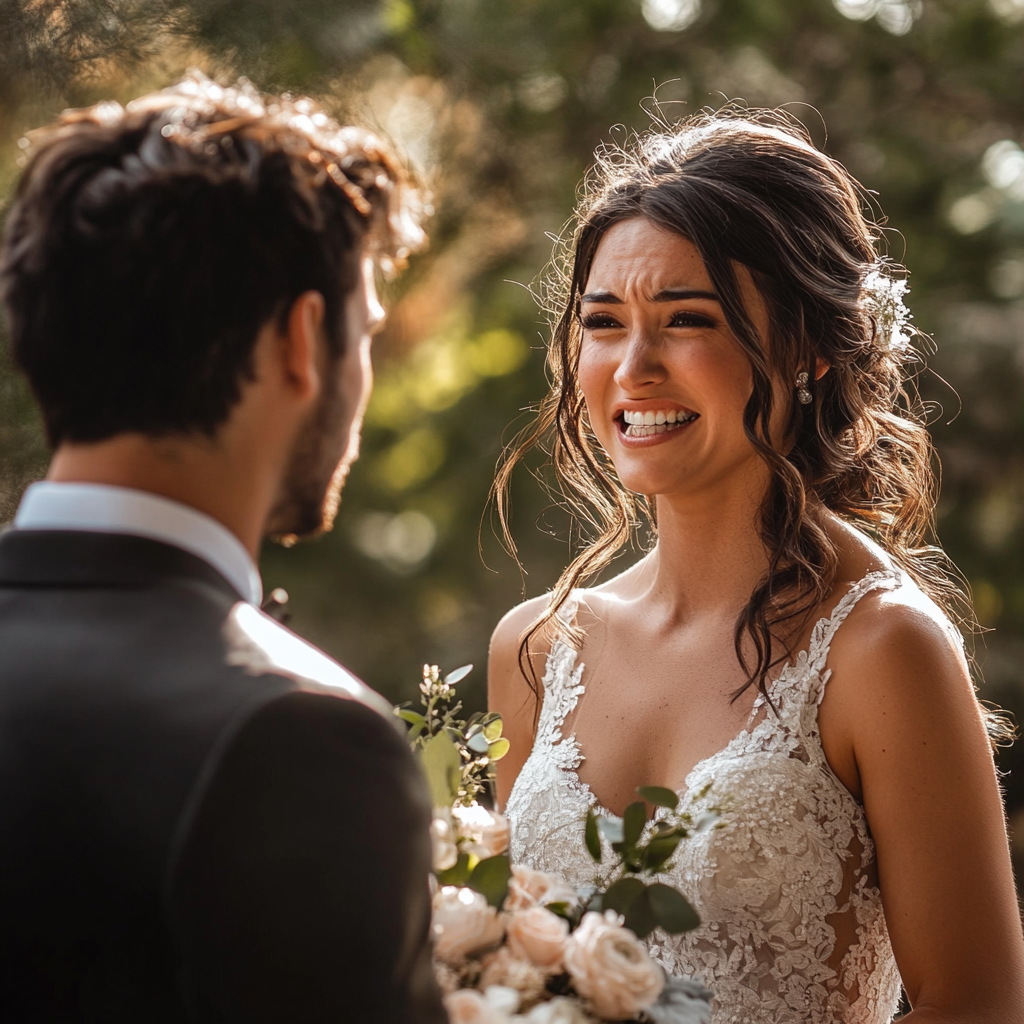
pixel 302 344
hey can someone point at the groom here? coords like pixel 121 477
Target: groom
pixel 202 817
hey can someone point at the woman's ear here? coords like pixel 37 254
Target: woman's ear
pixel 820 368
pixel 302 343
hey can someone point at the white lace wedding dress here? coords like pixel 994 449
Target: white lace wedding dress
pixel 792 929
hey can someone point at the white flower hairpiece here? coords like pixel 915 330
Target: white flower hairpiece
pixel 882 299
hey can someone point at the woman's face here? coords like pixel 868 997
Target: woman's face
pixel 664 379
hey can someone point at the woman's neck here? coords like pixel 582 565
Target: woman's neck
pixel 709 555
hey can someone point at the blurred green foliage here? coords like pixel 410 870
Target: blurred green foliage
pixel 500 103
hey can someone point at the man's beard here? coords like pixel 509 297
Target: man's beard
pixel 311 491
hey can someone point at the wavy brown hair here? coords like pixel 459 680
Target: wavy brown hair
pixel 748 187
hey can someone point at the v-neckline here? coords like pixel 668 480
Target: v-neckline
pixel 818 634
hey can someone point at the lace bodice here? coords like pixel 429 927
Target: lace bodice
pixel 792 929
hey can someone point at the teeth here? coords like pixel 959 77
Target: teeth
pixel 650 419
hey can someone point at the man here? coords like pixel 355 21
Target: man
pixel 202 817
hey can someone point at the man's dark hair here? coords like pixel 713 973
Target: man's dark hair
pixel 147 246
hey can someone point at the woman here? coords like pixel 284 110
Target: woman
pixel 728 363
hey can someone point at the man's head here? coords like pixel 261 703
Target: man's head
pixel 150 248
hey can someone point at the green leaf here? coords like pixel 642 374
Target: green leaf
pixel 457 675
pixel 498 749
pixel 659 796
pixel 561 909
pixel 412 717
pixel 633 822
pixel 478 743
pixel 492 729
pixel 672 909
pixel 621 895
pixel 458 874
pixel 490 878
pixel 641 918
pixel 610 828
pixel 442 766
pixel 591 837
pixel 659 850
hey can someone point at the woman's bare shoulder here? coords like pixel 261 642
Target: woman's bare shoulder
pixel 507 634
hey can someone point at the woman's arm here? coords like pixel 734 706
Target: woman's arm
pixel 508 691
pixel 906 708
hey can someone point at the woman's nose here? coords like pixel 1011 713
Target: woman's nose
pixel 642 362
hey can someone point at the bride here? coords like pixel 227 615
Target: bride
pixel 728 364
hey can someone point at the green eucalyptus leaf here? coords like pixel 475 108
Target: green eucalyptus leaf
pixel 633 822
pixel 457 675
pixel 592 837
pixel 490 879
pixel 610 828
pixel 492 729
pixel 478 743
pixel 672 909
pixel 442 765
pixel 641 918
pixel 458 874
pixel 659 796
pixel 621 895
pixel 659 850
pixel 498 749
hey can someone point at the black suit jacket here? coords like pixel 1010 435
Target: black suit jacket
pixel 202 818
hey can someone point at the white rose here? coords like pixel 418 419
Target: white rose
pixel 529 888
pixel 611 969
pixel 467 1006
pixel 560 1010
pixel 444 852
pixel 463 924
pixel 537 935
pixel 487 831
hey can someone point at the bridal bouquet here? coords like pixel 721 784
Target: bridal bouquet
pixel 512 944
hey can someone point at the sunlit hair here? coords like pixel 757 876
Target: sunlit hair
pixel 148 244
pixel 747 187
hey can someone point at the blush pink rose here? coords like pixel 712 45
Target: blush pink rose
pixel 529 888
pixel 487 832
pixel 610 968
pixel 463 923
pixel 537 935
pixel 467 1006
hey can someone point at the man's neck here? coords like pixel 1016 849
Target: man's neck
pixel 204 474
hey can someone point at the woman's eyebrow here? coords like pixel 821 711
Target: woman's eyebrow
pixel 666 295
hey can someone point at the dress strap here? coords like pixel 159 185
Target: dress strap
pixel 566 611
pixel 825 630
pixel 562 686
pixel 888 579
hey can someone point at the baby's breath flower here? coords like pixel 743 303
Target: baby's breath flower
pixel 882 299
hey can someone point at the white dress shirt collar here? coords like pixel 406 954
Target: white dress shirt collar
pixel 101 508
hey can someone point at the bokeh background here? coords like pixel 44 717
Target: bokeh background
pixel 499 104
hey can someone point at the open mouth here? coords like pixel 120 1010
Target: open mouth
pixel 646 424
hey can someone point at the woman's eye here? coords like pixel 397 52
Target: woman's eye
pixel 691 320
pixel 598 322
